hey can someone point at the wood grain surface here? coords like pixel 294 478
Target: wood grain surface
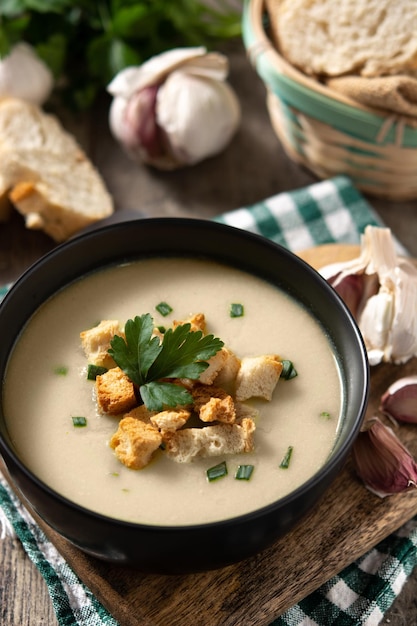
pixel 347 522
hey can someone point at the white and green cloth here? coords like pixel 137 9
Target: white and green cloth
pixel 326 212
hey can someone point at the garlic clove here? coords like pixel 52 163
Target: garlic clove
pixel 385 310
pixel 24 75
pixel 382 461
pixel 400 400
pixel 198 115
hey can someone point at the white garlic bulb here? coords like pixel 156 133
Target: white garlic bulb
pixel 386 296
pixel 24 75
pixel 176 109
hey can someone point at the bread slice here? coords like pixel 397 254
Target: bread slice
pixel 45 174
pixel 337 37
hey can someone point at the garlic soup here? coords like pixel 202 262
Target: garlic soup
pixel 46 387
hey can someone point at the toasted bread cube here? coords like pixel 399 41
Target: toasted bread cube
pixel 96 341
pixel 134 442
pixel 215 364
pixel 115 392
pixel 227 374
pixel 202 394
pixel 197 321
pixel 170 420
pixel 257 377
pixel 218 410
pixel 185 445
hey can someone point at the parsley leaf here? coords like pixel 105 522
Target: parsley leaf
pixel 149 362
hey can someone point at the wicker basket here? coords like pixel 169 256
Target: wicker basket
pixel 327 132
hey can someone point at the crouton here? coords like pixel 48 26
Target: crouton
pixel 197 321
pixel 170 420
pixel 227 374
pixel 184 445
pixel 215 364
pixel 218 410
pixel 115 392
pixel 202 394
pixel 134 442
pixel 96 341
pixel 257 377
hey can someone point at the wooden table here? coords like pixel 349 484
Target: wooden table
pixel 252 168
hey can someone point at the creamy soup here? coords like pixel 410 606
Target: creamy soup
pixel 40 402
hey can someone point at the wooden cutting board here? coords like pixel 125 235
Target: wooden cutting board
pixel 346 523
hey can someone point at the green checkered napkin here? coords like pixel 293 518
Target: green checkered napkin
pixel 326 212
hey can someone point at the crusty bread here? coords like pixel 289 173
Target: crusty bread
pixel 258 377
pixel 96 342
pixel 337 37
pixel 45 174
pixel 115 392
pixel 185 445
pixel 135 442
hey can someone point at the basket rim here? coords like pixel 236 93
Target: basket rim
pixel 266 58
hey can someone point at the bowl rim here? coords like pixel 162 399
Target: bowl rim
pixel 335 458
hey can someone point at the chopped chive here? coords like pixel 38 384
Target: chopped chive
pixel 79 422
pixel 162 329
pixel 244 472
pixel 326 415
pixel 114 474
pixel 217 471
pixel 163 308
pixel 288 370
pixel 95 370
pixel 285 463
pixel 236 310
pixel 61 370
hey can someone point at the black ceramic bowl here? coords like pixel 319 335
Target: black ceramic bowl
pixel 207 546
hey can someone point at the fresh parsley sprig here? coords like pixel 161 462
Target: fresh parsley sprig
pixel 148 362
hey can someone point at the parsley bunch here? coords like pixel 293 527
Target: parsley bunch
pixel 148 362
pixel 86 43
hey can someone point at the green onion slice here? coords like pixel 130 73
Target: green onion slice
pixel 79 421
pixel 244 472
pixel 285 463
pixel 217 471
pixel 163 308
pixel 95 370
pixel 236 310
pixel 288 370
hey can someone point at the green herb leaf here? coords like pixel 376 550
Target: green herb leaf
pixel 95 370
pixel 285 463
pixel 144 359
pixel 325 415
pixel 157 395
pixel 244 472
pixel 61 370
pixel 217 471
pixel 163 308
pixel 288 370
pixel 79 421
pixel 236 310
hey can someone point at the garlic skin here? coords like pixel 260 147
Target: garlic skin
pixel 380 289
pixel 176 109
pixel 24 75
pixel 400 400
pixel 382 461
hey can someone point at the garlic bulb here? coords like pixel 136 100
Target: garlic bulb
pixel 381 290
pixel 382 461
pixel 400 400
pixel 24 75
pixel 176 109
